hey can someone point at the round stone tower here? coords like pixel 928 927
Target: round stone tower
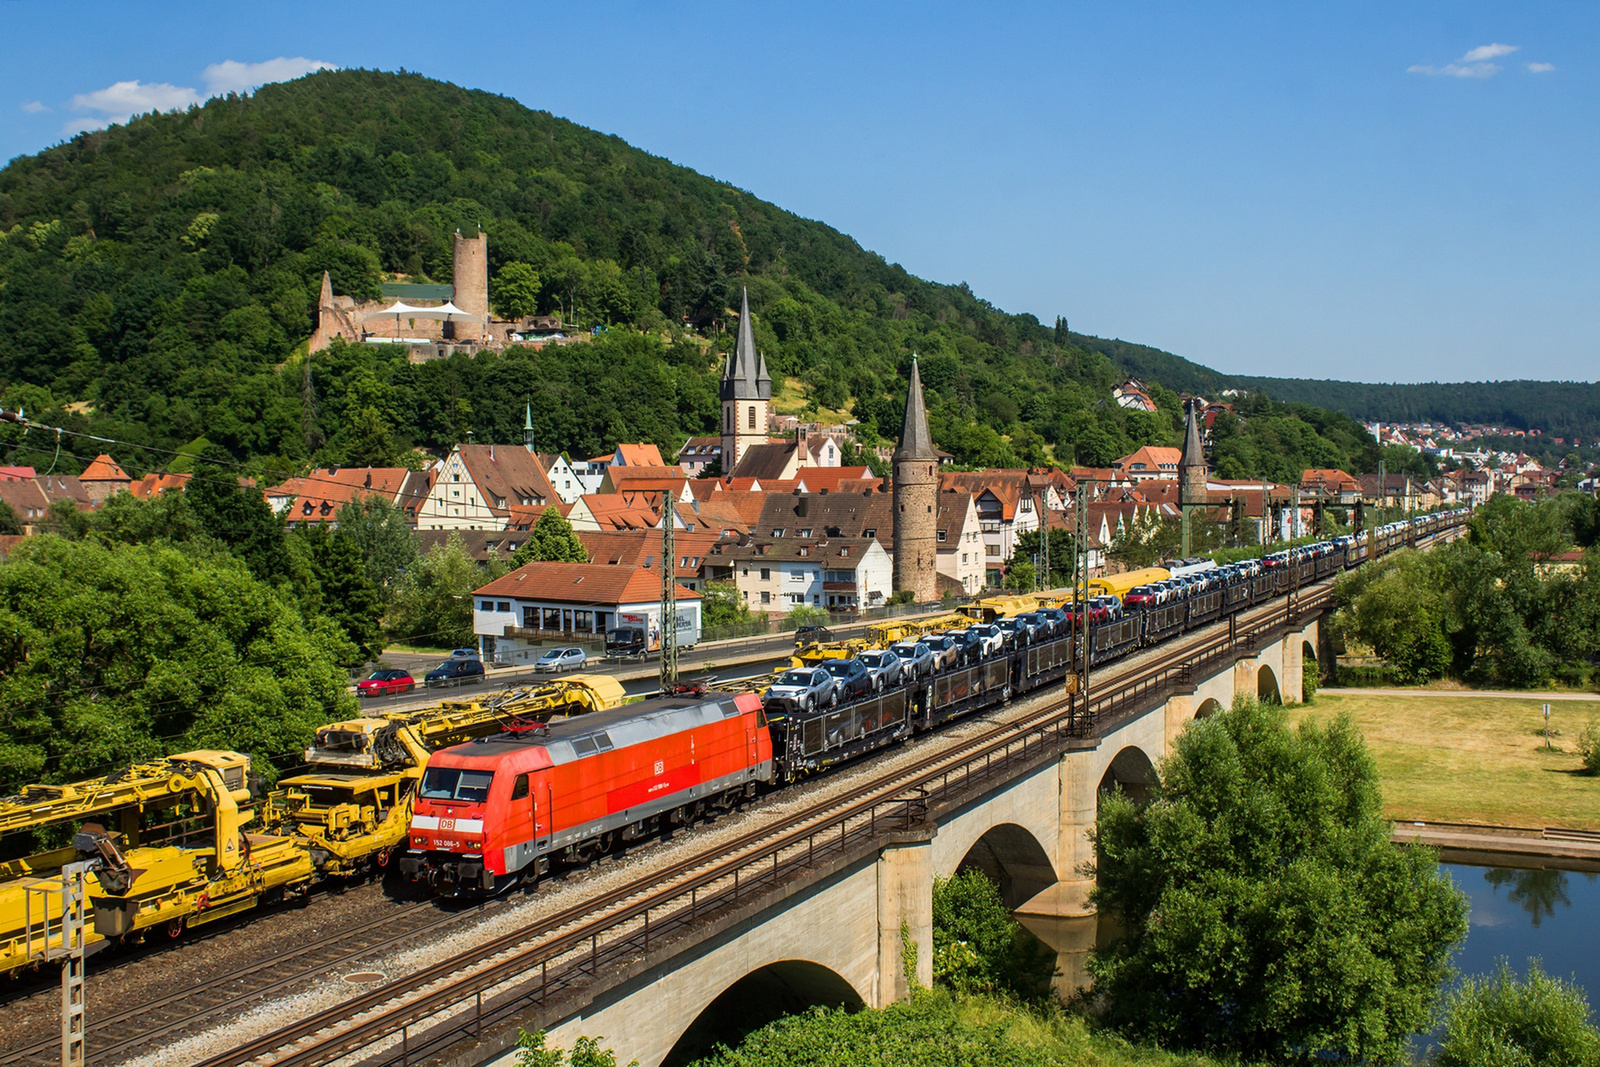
pixel 470 288
pixel 916 500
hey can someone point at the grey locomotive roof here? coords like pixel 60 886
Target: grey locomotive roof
pixel 631 724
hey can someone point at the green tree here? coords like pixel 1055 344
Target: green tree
pixel 533 1051
pixel 978 947
pixel 239 517
pixel 343 592
pixel 1498 1021
pixel 10 525
pixel 1265 912
pixel 434 606
pixel 516 291
pixel 1063 557
pixel 1020 575
pixel 1397 607
pixel 721 605
pixel 380 533
pixel 551 540
pixel 116 652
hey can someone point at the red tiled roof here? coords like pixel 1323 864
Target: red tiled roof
pixel 582 583
pixel 104 469
pixel 640 455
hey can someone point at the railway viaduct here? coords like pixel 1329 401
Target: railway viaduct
pixel 849 924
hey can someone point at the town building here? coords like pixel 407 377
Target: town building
pixel 103 478
pixel 1150 463
pixel 778 574
pixel 538 604
pixel 318 496
pixel 476 486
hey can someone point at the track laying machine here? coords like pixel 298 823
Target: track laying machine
pixel 181 830
pixel 178 824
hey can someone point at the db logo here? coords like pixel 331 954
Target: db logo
pixel 447 824
pixel 661 766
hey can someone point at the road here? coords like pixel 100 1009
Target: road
pixel 735 658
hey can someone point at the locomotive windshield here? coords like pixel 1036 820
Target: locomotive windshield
pixel 451 783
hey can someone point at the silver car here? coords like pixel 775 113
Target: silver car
pixel 885 668
pixel 802 689
pixel 916 657
pixel 946 651
pixel 556 660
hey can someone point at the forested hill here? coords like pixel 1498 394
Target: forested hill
pixel 1560 408
pixel 158 281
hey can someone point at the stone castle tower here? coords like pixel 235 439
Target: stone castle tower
pixel 916 496
pixel 1192 468
pixel 470 280
pixel 746 394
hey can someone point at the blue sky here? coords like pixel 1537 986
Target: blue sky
pixel 1369 191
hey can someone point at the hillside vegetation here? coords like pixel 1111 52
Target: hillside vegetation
pixel 158 280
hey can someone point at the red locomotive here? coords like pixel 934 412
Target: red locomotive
pixel 491 810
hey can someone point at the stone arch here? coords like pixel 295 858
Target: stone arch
pixel 1130 771
pixel 1208 707
pixel 1267 691
pixel 1013 859
pixel 760 997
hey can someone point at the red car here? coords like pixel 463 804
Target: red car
pixel 382 683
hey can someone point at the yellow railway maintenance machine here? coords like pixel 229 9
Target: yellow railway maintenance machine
pixel 187 857
pixel 354 808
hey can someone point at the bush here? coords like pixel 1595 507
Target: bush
pixel 1309 680
pixel 978 947
pixel 1589 747
pixel 1497 1021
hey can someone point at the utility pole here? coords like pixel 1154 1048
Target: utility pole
pixel 1044 536
pixel 669 596
pixel 72 948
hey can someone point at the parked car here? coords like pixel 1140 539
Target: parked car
pixel 917 658
pixel 852 677
pixel 454 672
pixel 1056 618
pixel 810 633
pixel 384 682
pixel 993 640
pixel 946 651
pixel 464 653
pixel 562 659
pixel 883 666
pixel 1014 630
pixel 802 689
pixel 969 646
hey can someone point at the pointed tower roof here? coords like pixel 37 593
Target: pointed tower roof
pixel 527 427
pixel 1192 468
pixel 1193 454
pixel 915 440
pixel 326 299
pixel 745 375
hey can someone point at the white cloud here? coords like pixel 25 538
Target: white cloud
pixel 1541 68
pixel 1457 70
pixel 1488 51
pixel 1475 64
pixel 33 107
pixel 232 76
pixel 122 100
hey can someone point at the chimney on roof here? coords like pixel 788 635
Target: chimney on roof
pixel 802 505
pixel 369 478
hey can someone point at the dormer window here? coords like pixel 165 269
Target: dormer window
pixel 778 532
pixel 805 550
pixel 806 532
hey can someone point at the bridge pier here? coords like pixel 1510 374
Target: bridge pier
pixel 905 920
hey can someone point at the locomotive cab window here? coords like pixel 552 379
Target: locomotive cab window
pixel 519 788
pixel 452 783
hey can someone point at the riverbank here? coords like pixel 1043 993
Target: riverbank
pixel 1465 757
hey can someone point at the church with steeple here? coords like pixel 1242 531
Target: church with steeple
pixel 746 394
pixel 916 499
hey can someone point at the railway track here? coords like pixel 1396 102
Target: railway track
pixel 684 890
pixel 530 965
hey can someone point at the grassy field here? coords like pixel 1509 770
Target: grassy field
pixel 1461 758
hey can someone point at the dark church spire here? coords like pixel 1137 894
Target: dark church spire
pixel 745 376
pixel 915 440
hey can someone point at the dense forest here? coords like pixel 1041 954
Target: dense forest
pixel 158 281
pixel 1562 409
